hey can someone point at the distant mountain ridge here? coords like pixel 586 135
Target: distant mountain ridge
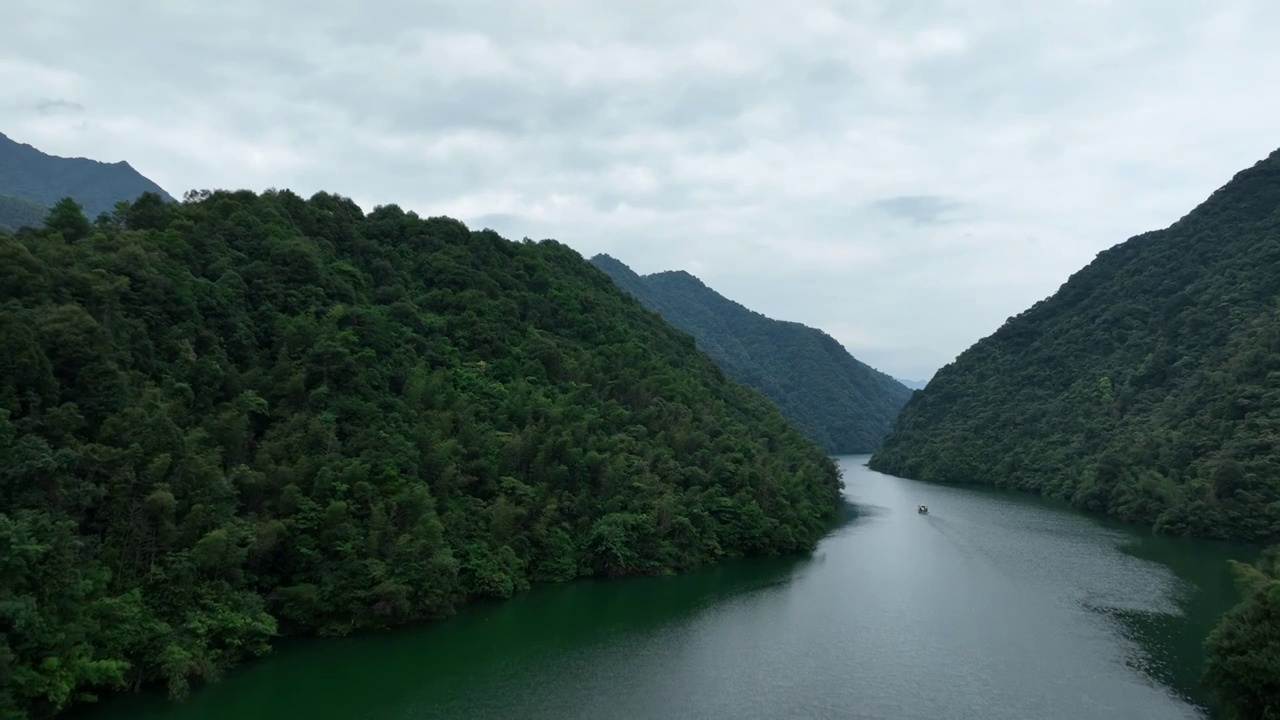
pixel 840 402
pixel 27 173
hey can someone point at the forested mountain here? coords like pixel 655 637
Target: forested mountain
pixel 839 402
pixel 1147 387
pixel 248 415
pixel 29 174
pixel 16 213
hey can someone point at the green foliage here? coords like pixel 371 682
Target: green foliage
pixel 840 403
pixel 42 180
pixel 16 213
pixel 1147 387
pixel 1243 667
pixel 249 415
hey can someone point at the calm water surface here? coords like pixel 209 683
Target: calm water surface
pixel 993 606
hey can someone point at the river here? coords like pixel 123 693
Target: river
pixel 995 605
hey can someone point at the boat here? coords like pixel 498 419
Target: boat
pixel 922 509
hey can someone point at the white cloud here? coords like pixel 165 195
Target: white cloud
pixel 904 176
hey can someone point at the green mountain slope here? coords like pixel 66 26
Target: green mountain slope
pixel 16 213
pixel 243 416
pixel 839 402
pixel 43 179
pixel 1147 387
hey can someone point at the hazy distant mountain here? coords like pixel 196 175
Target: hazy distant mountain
pixel 16 212
pixel 913 384
pixel 840 402
pixel 29 174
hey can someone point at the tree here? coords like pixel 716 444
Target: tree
pixel 244 416
pixel 67 217
pixel 1243 667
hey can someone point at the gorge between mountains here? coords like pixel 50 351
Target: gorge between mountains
pixel 267 455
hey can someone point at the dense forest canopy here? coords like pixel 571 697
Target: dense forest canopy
pixel 246 415
pixel 1243 666
pixel 28 174
pixel 841 403
pixel 1147 387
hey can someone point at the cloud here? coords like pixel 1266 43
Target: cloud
pixel 903 175
pixel 48 106
pixel 919 209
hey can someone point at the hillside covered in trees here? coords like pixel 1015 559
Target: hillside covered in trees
pixel 842 404
pixel 28 174
pixel 16 213
pixel 1147 387
pixel 245 416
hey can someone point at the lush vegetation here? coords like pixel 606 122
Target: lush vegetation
pixel 16 213
pixel 842 404
pixel 245 415
pixel 29 174
pixel 1243 666
pixel 1147 387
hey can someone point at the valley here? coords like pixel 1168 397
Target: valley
pixel 250 437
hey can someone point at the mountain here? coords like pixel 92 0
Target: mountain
pixel 250 415
pixel 842 404
pixel 1147 386
pixel 914 384
pixel 16 213
pixel 29 174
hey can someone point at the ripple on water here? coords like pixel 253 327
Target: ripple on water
pixel 1056 582
pixel 1127 598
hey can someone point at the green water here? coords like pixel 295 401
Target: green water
pixel 993 606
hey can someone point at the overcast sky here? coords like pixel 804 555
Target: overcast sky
pixel 903 175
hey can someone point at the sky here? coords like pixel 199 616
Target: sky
pixel 903 175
